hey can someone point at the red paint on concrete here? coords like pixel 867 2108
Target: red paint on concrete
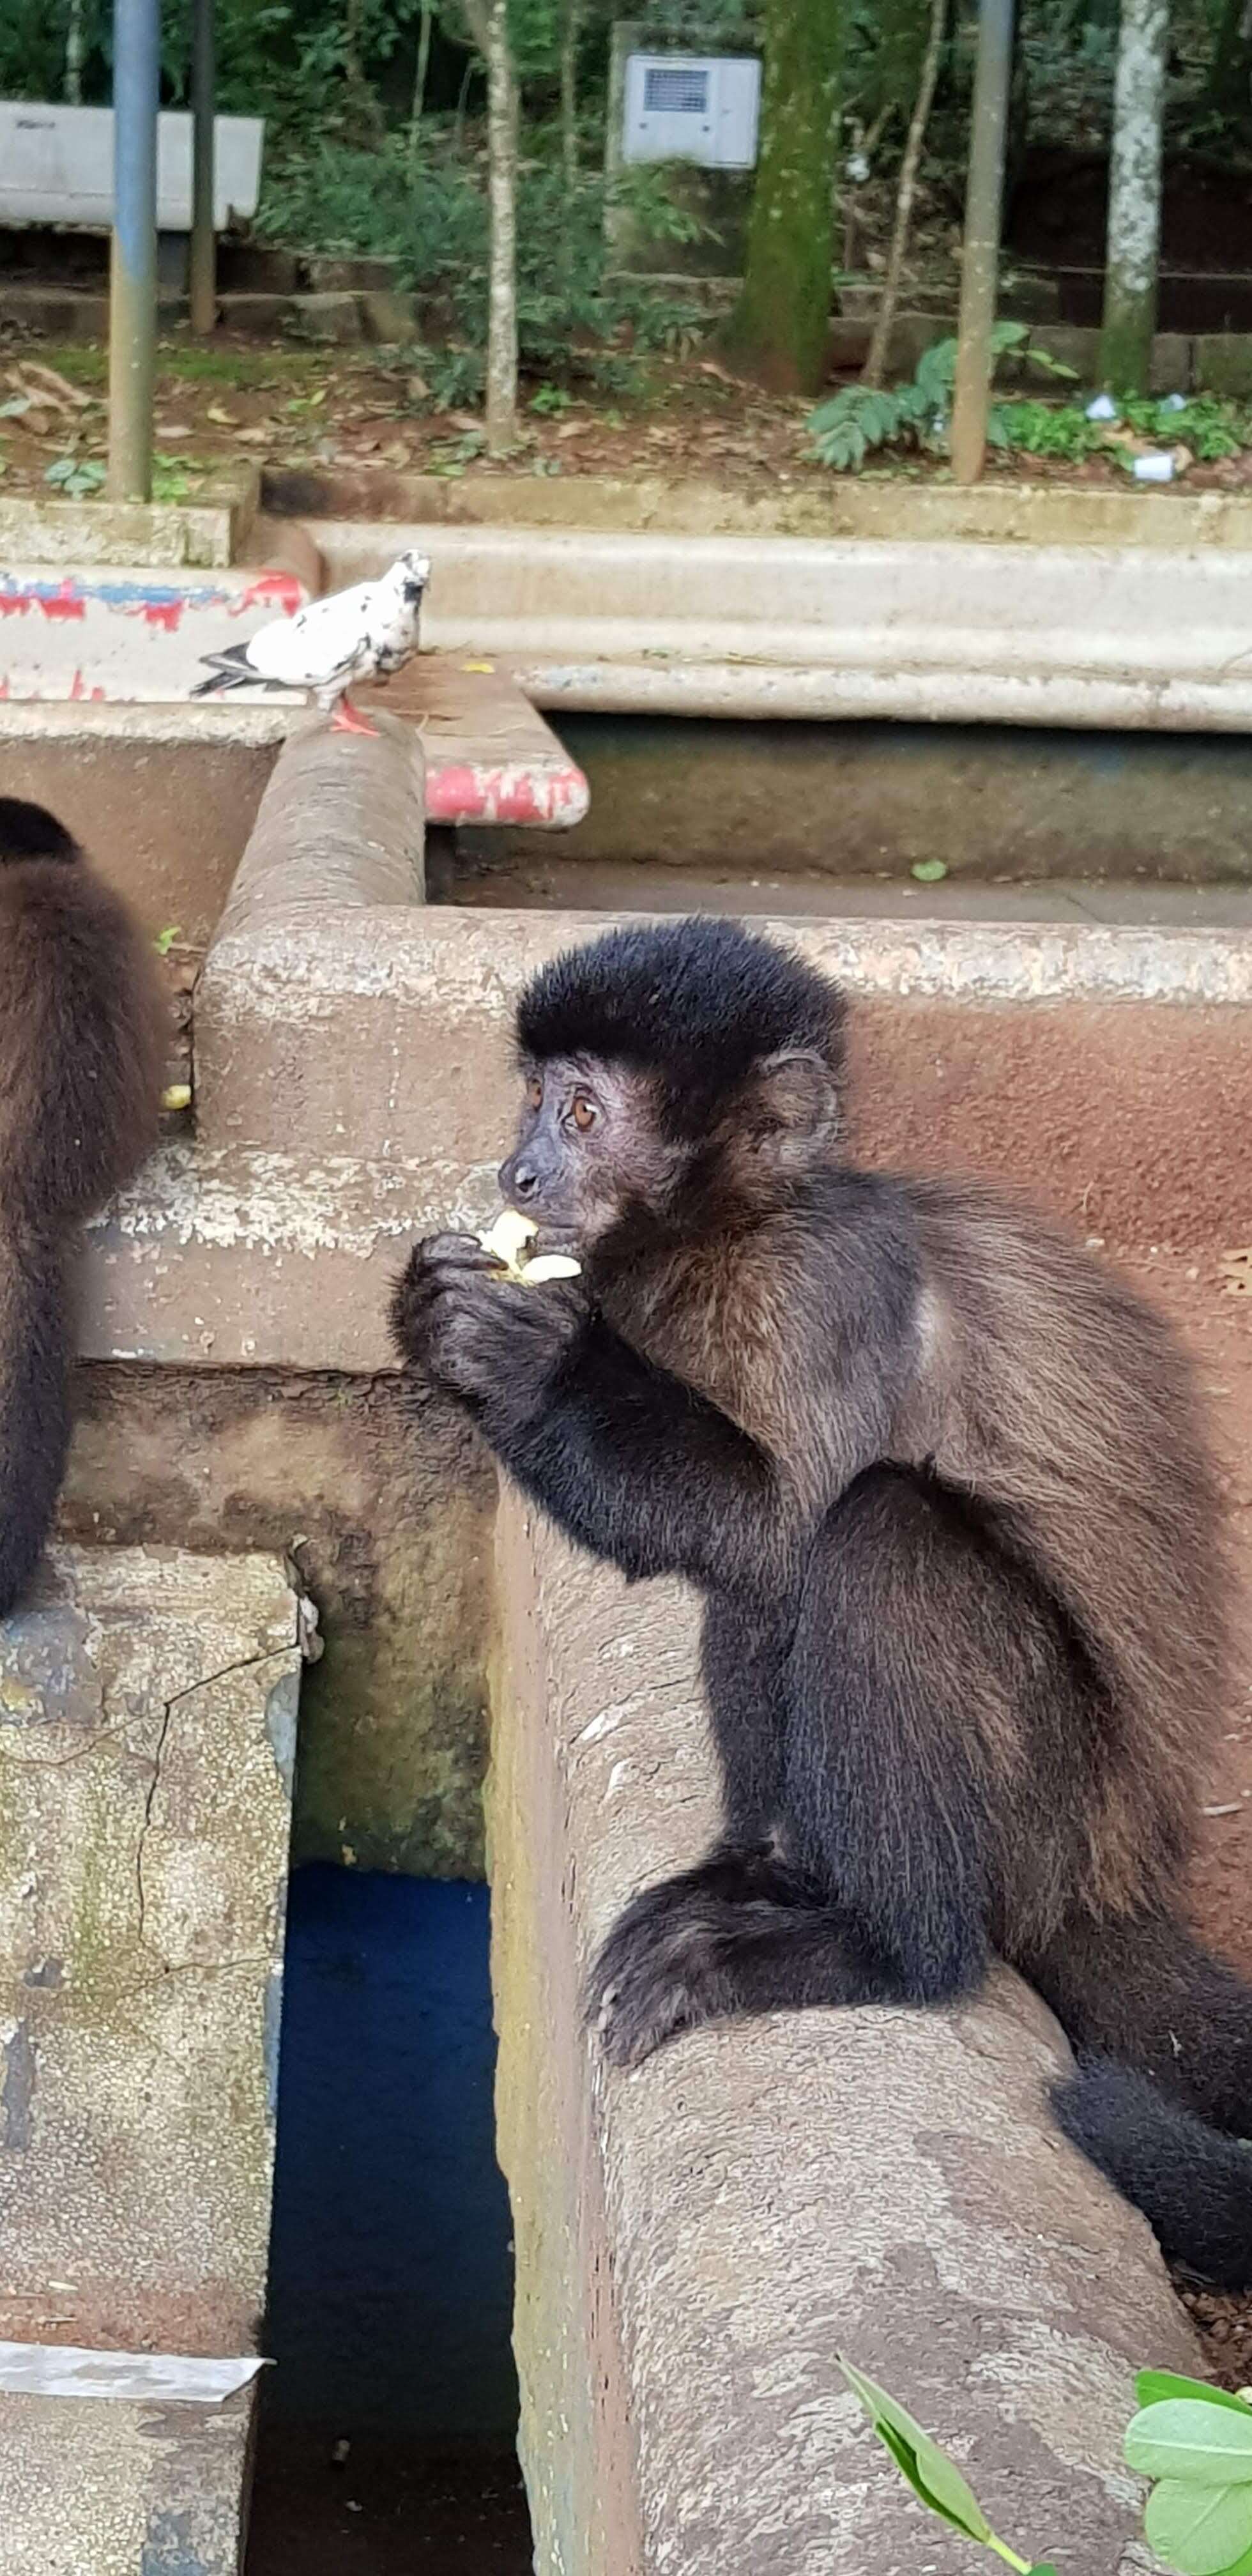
pixel 272 589
pixel 66 602
pixel 542 795
pixel 167 614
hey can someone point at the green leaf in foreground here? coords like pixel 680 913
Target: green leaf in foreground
pixel 1186 2437
pixel 1200 2530
pixel 929 871
pixel 1152 2386
pixel 931 2474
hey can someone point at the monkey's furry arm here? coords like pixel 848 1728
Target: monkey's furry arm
pixel 630 1461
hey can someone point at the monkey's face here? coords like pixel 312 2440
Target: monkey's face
pixel 590 1147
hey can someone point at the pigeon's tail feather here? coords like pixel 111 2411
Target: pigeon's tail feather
pixel 230 669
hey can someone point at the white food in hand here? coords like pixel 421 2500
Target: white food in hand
pixel 506 1241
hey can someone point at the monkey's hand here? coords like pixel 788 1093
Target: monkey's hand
pixel 491 1343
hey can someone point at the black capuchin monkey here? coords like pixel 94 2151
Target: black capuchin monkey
pixel 82 1035
pixel 943 1484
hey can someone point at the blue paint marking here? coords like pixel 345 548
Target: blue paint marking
pixel 391 2278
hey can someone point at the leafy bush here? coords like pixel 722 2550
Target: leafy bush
pixel 574 318
pixel 859 419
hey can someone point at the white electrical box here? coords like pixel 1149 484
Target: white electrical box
pixel 692 107
pixel 56 166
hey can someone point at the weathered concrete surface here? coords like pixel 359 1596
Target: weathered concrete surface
pixel 1127 635
pixel 148 1704
pixel 988 514
pixel 386 1504
pixel 1105 1071
pixel 696 2241
pixel 100 2487
pixel 210 530
pixel 861 800
pixel 165 808
pixel 342 823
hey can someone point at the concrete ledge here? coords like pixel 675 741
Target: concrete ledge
pixel 148 1702
pixel 358 1090
pixel 1125 634
pixel 210 530
pixel 123 2488
pixel 696 2241
pixel 990 513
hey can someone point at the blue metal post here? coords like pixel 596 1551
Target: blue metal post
pixel 203 245
pixel 133 280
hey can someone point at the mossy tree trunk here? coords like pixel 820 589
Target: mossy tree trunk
pixel 1134 234
pixel 1230 80
pixel 780 328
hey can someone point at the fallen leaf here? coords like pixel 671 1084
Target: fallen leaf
pixel 53 387
pixel 572 428
pixel 173 429
pixel 228 419
pixel 396 454
pixel 465 420
pixel 254 437
pixel 478 666
pixel 39 423
pixel 929 871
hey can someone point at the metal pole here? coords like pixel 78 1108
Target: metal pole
pixel 203 245
pixel 132 288
pixel 980 264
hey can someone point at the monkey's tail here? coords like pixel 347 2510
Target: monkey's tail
pixel 1161 2099
pixel 34 1400
pixel 1193 2185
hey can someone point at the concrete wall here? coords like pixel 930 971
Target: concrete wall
pixel 698 2239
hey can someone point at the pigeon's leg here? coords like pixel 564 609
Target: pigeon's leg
pixel 347 720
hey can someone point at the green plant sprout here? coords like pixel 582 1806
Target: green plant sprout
pixel 931 2474
pixel 1192 2441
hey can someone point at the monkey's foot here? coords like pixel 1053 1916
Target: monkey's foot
pixel 346 720
pixel 669 1962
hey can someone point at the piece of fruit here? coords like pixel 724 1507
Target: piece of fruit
pixel 506 1241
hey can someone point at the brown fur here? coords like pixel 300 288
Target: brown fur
pixel 82 1035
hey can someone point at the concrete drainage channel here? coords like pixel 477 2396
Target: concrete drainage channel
pixel 696 2241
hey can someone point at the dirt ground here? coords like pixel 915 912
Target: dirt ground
pixel 366 414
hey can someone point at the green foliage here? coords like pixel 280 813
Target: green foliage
pixel 858 420
pixel 75 477
pixel 574 319
pixel 1193 2441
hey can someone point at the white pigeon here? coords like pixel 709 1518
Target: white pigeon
pixel 364 633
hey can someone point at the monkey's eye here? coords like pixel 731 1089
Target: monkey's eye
pixel 583 1112
pixel 534 1092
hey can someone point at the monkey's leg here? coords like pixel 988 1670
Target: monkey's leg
pixel 911 1647
pixel 743 1658
pixel 738 1934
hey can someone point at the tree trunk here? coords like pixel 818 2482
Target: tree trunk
pixel 1230 80
pixel 75 48
pixel 570 30
pixel 419 80
pixel 899 54
pixel 1130 278
pixel 781 326
pixel 366 111
pixel 489 26
pixel 876 360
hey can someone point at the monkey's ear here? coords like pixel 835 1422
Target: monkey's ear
pixel 796 1098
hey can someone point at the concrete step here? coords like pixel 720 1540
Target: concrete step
pixel 1119 634
pixel 111 2483
pixel 148 1703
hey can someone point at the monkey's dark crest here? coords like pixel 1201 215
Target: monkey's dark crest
pixel 81 1051
pixel 944 1485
